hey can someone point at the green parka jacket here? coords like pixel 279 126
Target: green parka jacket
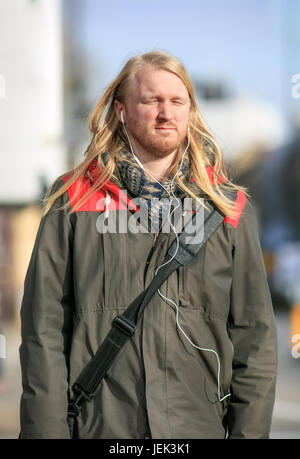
pixel 160 386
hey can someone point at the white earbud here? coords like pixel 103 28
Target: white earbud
pixel 122 117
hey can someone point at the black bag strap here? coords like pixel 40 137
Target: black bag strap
pixel 194 235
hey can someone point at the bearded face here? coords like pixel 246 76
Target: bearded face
pixel 156 112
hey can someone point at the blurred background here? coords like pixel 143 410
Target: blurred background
pixel 56 59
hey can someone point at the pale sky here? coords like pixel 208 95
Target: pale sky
pixel 237 41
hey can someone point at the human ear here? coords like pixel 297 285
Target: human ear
pixel 119 110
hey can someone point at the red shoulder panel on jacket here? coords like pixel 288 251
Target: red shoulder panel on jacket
pixel 238 207
pixel 240 201
pixel 96 202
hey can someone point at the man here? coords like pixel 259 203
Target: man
pixel 202 362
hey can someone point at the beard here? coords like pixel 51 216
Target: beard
pixel 156 143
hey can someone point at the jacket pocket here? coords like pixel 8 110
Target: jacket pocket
pixel 191 282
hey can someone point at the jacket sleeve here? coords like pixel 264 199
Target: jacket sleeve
pixel 252 331
pixel 46 327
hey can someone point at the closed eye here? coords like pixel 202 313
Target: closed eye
pixel 178 101
pixel 153 100
pixel 157 100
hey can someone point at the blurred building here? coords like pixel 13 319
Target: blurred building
pixel 32 151
pixel 242 124
pixel 31 107
pixel 78 71
pixel 247 129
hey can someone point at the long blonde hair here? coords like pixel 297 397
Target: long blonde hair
pixel 108 136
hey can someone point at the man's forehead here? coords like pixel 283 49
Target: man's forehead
pixel 149 78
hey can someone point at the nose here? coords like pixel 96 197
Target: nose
pixel 165 111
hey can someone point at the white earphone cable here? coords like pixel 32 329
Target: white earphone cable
pixel 177 247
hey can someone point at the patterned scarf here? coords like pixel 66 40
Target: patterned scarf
pixel 141 185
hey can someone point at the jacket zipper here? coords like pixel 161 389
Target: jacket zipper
pixel 155 238
pixel 152 248
pixel 153 243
